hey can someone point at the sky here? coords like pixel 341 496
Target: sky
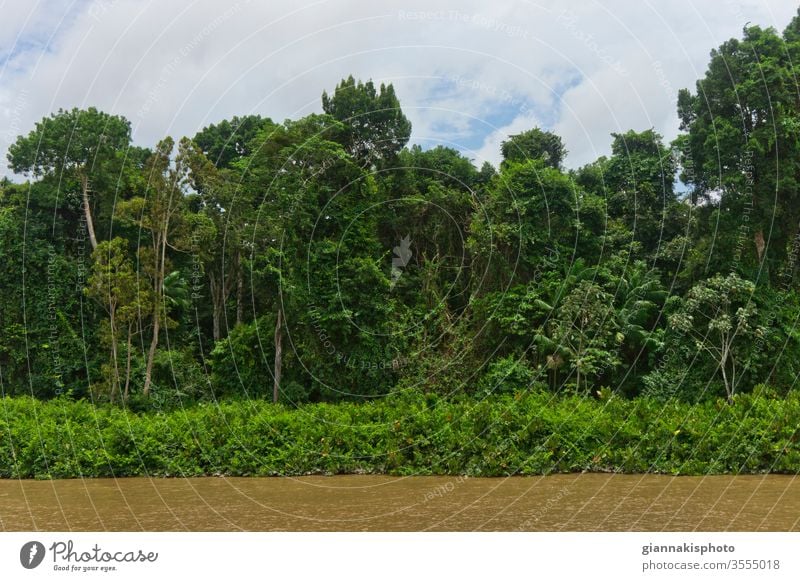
pixel 468 73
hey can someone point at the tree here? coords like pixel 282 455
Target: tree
pixel 375 127
pixel 720 317
pixel 80 145
pixel 638 183
pixel 638 298
pixel 176 292
pixel 528 212
pixel 314 249
pixel 429 201
pixel 585 329
pixel 230 140
pixel 535 144
pixel 740 151
pixel 114 284
pixel 45 329
pixel 223 203
pixel 162 214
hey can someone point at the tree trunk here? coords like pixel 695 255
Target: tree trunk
pixel 215 320
pixel 220 291
pixel 128 364
pixel 278 359
pixel 239 289
pixel 161 245
pixel 87 211
pixel 114 357
pixel 215 308
pixel 723 364
pixel 151 355
pixel 580 358
pixel 758 238
pixel 113 394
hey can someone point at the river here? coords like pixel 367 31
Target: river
pixel 574 502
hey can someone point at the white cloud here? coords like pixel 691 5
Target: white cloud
pixel 490 150
pixel 173 67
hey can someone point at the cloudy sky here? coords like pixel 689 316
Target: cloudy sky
pixel 468 73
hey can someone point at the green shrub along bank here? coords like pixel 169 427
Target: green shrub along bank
pixel 411 434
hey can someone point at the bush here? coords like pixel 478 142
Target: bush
pixel 178 376
pixel 508 375
pixel 413 433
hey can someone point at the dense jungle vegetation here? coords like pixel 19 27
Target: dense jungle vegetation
pixel 322 260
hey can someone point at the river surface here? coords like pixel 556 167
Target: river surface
pixel 575 502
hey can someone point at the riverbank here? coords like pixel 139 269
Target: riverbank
pixel 527 434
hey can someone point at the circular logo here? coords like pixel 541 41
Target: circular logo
pixel 31 554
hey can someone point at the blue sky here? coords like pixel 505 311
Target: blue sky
pixel 468 73
pixel 500 109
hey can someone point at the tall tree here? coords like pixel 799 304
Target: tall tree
pixel 220 199
pixel 114 284
pixel 230 140
pixel 375 127
pixel 740 152
pixel 639 187
pixel 76 145
pixel 314 249
pixel 535 144
pixel 162 215
pixel 44 331
pixel 529 212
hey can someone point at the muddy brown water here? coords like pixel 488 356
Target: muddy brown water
pixel 576 502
